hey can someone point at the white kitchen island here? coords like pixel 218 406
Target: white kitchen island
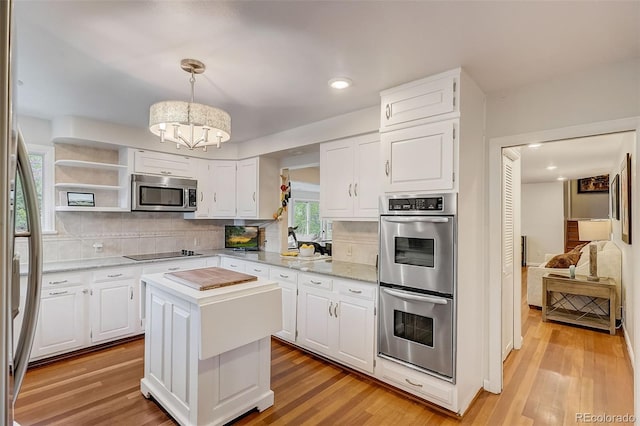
pixel 208 353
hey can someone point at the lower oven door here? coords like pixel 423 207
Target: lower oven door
pixel 417 329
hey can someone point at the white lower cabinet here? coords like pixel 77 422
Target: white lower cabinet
pixel 113 305
pixel 288 282
pixel 336 318
pixel 62 324
pixel 233 264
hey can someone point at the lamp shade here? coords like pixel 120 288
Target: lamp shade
pixel 594 230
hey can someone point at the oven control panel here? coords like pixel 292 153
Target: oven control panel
pixel 416 204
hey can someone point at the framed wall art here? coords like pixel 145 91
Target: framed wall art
pixel 81 199
pixel 625 198
pixel 614 190
pixel 593 184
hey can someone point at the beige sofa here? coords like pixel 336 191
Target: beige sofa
pixel 609 265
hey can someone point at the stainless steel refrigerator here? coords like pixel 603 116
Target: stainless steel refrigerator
pixel 14 162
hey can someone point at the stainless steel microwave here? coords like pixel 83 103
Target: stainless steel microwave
pixel 162 193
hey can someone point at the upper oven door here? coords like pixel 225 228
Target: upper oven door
pixel 418 252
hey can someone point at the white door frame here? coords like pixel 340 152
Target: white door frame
pixel 493 381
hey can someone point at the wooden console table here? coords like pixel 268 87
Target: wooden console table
pixel 597 309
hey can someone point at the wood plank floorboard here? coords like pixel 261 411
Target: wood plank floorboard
pixel 561 370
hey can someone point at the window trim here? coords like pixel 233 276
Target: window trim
pixel 48 203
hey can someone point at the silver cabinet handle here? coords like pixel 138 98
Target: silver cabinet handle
pixel 349 190
pixel 330 306
pixel 386 168
pixel 58 282
pixel 355 189
pixel 413 384
pixel 233 266
pixel 315 282
pixel 355 291
pixel 55 293
pixel 410 219
pixel 114 275
pixel 85 291
pixel 335 310
pixel 257 270
pixel 215 198
pixel 387 111
pixel 201 196
pixel 131 293
pixel 34 280
pixel 164 172
pixel 416 298
pixel 284 276
pixel 174 269
pixel 254 196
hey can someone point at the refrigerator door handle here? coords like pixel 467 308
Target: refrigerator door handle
pixel 34 280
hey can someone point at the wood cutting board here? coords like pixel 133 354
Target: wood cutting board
pixel 209 278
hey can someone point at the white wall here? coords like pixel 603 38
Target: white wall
pixel 35 130
pixel 626 249
pixel 605 93
pixel 543 219
pixel 588 205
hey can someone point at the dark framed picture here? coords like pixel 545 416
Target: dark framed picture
pixel 593 184
pixel 81 199
pixel 625 198
pixel 615 197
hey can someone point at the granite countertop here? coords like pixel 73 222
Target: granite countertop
pixel 354 271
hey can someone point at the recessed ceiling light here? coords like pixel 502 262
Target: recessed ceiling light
pixel 552 167
pixel 562 178
pixel 340 83
pixel 534 145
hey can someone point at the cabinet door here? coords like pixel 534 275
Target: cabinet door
pixel 315 319
pixel 419 158
pixel 160 163
pixel 247 190
pixel 336 179
pixel 112 309
pixel 223 181
pixel 367 186
pixel 288 282
pixel 61 321
pixel 233 264
pixel 354 335
pixel 205 193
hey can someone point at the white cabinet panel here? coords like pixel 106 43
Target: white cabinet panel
pixel 61 323
pixel 247 181
pixel 419 158
pixel 350 178
pixel 257 269
pixel 355 332
pixel 288 282
pixel 112 309
pixel 160 163
pixel 205 192
pixel 223 185
pixel 315 307
pixel 233 264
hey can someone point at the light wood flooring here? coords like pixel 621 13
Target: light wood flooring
pixel 560 371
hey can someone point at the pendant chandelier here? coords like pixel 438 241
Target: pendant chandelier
pixel 190 124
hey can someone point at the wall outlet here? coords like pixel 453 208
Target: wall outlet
pixel 349 250
pixel 97 247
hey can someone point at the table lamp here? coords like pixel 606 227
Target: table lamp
pixel 594 231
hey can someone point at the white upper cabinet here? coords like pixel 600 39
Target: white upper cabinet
pixel 429 99
pixel 222 175
pixel 160 163
pixel 205 192
pixel 349 179
pixel 419 158
pixel 247 181
pixel 258 188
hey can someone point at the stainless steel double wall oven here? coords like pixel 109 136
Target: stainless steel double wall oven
pixel 417 275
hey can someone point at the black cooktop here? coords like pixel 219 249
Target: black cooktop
pixel 169 255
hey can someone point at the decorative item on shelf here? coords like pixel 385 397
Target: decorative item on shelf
pixel 625 198
pixel 593 184
pixel 285 194
pixel 594 231
pixel 80 199
pixel 190 124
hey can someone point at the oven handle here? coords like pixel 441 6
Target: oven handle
pixel 406 219
pixel 418 298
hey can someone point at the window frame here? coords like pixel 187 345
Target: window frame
pixel 48 203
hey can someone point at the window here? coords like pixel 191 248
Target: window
pixel 40 158
pixel 306 216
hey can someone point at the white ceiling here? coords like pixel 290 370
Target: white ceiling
pixel 268 63
pixel 573 158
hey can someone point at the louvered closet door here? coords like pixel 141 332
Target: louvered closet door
pixel 507 254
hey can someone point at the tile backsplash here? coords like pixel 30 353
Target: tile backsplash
pixel 80 235
pixel 355 242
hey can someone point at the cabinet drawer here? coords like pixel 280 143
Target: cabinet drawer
pixel 65 279
pixel 356 289
pixel 114 274
pixel 233 264
pixel 418 383
pixel 257 269
pixel 316 281
pixel 173 266
pixel 286 275
pixel 417 100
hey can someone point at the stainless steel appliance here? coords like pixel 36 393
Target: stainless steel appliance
pixel 14 163
pixel 163 193
pixel 417 282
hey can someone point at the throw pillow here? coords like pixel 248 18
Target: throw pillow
pixel 579 247
pixel 564 260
